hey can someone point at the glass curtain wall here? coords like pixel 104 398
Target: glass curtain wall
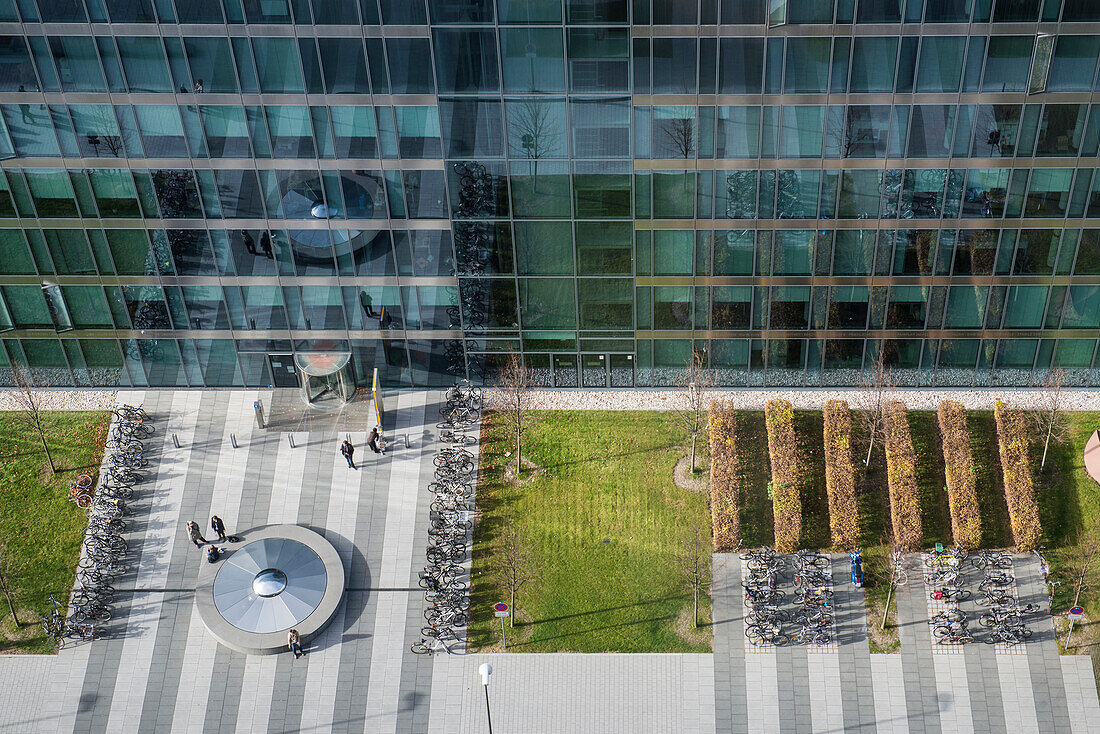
pixel 788 190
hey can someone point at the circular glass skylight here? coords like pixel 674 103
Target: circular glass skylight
pixel 269 585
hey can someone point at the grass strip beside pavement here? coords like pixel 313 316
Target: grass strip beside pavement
pixel 38 525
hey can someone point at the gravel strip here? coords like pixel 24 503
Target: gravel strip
pixel 808 398
pixel 65 400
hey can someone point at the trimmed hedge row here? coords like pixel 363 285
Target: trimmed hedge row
pixel 901 471
pixel 726 470
pixel 962 488
pixel 1023 511
pixel 840 476
pixel 786 475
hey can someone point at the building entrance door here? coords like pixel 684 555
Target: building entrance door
pixel 594 370
pixel 283 373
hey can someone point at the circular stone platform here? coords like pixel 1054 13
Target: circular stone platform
pixel 277 577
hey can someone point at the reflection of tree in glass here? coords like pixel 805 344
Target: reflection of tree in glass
pixel 533 125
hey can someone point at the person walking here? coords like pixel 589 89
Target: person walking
pixel 294 642
pixel 372 440
pixel 195 534
pixel 348 452
pixel 218 526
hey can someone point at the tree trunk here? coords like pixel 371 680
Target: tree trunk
pixel 1046 445
pixel 11 606
pixel 695 613
pixel 42 437
pixel 694 436
pixel 886 611
pixel 867 461
pixel 512 609
pixel 519 454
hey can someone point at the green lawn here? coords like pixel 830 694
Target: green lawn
pixel 608 477
pixel 39 526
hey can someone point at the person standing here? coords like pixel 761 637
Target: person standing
pixel 368 304
pixel 348 452
pixel 218 526
pixel 195 534
pixel 294 642
pixel 372 440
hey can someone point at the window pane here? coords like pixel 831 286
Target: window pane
pixel 536 128
pixel 996 129
pixel 1073 64
pixel 534 60
pixel 355 132
pixel 606 303
pixel 1060 129
pixel 161 131
pixel 738 132
pixel 465 61
pixel 1006 64
pixel 344 65
pixel 798 194
pixel 931 131
pixel 940 65
pixel 801 132
pixel 1048 192
pixel 674 65
pixel 212 63
pixel 548 303
pixel 1024 307
pixel 78 64
pixel 807 65
pixel 471 128
pixel 601 128
pixel 226 131
pixel 278 65
pixel 873 62
pixel 599 60
pixel 410 71
pixel 291 132
pixel 741 66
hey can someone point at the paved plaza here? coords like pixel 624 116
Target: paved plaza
pixel 159 670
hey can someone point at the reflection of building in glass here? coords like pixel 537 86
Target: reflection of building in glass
pixel 789 188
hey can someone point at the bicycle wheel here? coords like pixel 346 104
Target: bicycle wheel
pixel 941 632
pixel 424 647
pixel 84 500
pixel 755 635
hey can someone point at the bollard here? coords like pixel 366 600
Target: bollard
pixel 176 440
pixel 233 440
pixel 406 440
pixel 290 437
pixel 259 408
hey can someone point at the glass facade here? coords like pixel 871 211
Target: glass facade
pixel 193 193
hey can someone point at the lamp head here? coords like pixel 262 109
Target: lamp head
pixel 486 670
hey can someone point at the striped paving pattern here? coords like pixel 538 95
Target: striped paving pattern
pixel 159 671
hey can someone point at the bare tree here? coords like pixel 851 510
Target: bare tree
pixel 696 380
pixel 533 123
pixel 878 386
pixel 1049 411
pixel 516 388
pixel 511 563
pixel 9 570
pixel 680 133
pixel 27 396
pixel 1082 567
pixel 692 560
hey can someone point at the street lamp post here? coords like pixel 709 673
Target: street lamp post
pixel 486 670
